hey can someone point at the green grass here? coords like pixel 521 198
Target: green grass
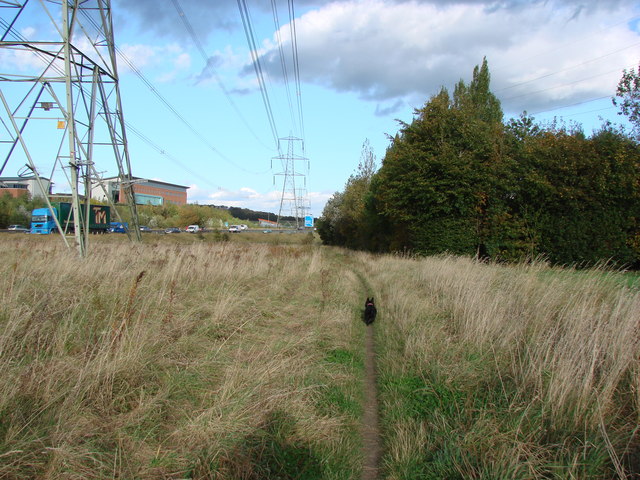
pixel 506 372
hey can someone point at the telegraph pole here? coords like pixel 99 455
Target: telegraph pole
pixel 78 56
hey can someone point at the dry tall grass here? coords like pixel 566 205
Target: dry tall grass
pixel 518 372
pixel 234 360
pixel 209 360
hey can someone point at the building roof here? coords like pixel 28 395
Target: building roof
pixel 150 181
pixel 22 179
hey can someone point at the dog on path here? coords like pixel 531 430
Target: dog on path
pixel 369 311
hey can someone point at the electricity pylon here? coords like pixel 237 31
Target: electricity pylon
pixel 294 193
pixel 63 72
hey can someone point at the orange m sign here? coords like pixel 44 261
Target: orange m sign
pixel 99 215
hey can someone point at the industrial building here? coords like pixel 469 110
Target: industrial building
pixel 267 223
pixel 146 192
pixel 18 186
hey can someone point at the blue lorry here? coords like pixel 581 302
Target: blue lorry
pixel 43 220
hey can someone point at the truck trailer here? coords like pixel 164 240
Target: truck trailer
pixel 42 219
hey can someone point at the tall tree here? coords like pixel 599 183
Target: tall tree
pixel 445 182
pixel 343 218
pixel 628 97
pixel 330 224
pixel 457 179
pixel 576 197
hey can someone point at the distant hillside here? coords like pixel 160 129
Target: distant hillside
pixel 251 215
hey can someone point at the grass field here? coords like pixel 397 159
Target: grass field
pixel 205 357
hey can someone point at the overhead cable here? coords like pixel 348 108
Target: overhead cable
pixel 171 108
pixel 248 30
pixel 567 68
pixel 164 153
pixel 574 40
pixel 573 105
pixel 562 85
pixel 209 68
pixel 283 63
pixel 296 62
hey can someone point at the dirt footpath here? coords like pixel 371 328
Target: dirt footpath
pixel 370 429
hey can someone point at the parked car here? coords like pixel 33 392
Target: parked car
pixel 193 229
pixel 172 230
pixel 144 228
pixel 234 229
pixel 266 231
pixel 18 228
pixel 243 227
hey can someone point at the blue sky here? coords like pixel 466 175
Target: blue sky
pixel 362 65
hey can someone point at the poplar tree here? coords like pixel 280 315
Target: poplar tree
pixel 444 183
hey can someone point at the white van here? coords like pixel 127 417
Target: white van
pixel 193 229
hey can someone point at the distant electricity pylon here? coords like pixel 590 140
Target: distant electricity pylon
pixel 294 186
pixel 59 73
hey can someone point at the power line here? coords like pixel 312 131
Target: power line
pixel 563 85
pixel 209 68
pixel 573 41
pixel 248 30
pixel 291 192
pixel 585 62
pixel 283 64
pixel 296 62
pixel 171 108
pixel 164 153
pixel 573 105
pixel 128 125
pixel 578 114
pixel 567 68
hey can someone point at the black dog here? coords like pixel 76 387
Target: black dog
pixel 369 311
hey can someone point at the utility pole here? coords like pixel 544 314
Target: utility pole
pixel 294 193
pixel 72 57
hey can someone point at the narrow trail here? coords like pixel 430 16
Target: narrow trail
pixel 371 443
pixel 370 428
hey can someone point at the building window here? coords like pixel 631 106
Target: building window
pixel 143 199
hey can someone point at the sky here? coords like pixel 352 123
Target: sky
pixel 196 115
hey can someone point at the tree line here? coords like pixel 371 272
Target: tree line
pixel 459 179
pixel 18 211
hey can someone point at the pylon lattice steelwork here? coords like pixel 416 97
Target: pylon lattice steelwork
pixel 67 79
pixel 294 186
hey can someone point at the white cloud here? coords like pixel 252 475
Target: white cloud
pixel 182 61
pixel 28 32
pixel 394 51
pixel 24 62
pixel 139 55
pixel 385 50
pixel 318 201
pixel 246 197
pixel 170 59
pixel 196 193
